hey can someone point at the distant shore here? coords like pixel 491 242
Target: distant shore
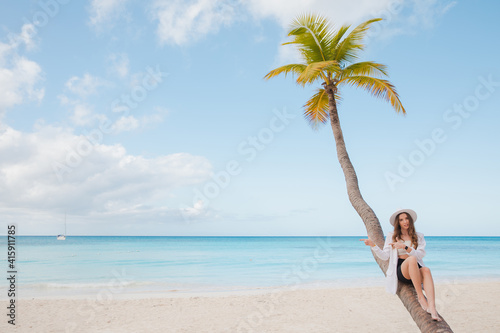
pixel 467 307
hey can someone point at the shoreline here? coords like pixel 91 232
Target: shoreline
pixel 155 291
pixel 467 307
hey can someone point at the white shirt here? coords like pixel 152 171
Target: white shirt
pixel 391 279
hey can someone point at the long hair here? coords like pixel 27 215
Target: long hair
pixel 411 230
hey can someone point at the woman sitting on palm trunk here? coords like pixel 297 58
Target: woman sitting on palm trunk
pixel 405 249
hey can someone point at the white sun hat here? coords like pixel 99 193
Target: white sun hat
pixel 408 211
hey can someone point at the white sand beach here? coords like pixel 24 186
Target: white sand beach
pixel 467 307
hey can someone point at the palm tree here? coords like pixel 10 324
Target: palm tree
pixel 329 57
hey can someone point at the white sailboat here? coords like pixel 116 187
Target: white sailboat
pixel 63 236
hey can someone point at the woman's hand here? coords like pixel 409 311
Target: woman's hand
pixel 368 242
pixel 398 245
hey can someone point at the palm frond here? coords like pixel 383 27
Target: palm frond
pixel 312 34
pixel 316 109
pixel 377 87
pixel 292 68
pixel 337 37
pixel 364 68
pixel 318 70
pixel 346 51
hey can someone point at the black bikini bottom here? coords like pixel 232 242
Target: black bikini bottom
pixel 400 274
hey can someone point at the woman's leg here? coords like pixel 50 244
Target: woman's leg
pixel 410 270
pixel 429 291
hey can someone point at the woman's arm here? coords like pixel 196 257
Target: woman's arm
pixel 420 251
pixel 385 253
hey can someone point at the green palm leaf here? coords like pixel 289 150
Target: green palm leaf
pixel 337 37
pixel 377 87
pixel 318 70
pixel 347 49
pixel 316 109
pixel 312 35
pixel 292 68
pixel 365 68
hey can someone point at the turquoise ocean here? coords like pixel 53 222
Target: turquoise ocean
pixel 83 265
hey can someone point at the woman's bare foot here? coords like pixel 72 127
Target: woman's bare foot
pixel 423 302
pixel 434 315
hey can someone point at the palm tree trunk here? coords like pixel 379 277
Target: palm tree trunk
pixel 406 292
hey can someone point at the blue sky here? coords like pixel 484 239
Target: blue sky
pixel 154 119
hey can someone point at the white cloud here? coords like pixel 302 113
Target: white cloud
pixel 413 12
pixel 119 64
pixel 198 211
pixel 154 118
pixel 338 11
pixel 17 83
pixel 86 85
pixel 82 115
pixel 180 22
pixel 19 76
pixel 97 179
pixel 102 11
pixel 426 12
pixel 131 123
pixel 447 7
pixel 27 35
pixel 82 108
pixel 125 124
